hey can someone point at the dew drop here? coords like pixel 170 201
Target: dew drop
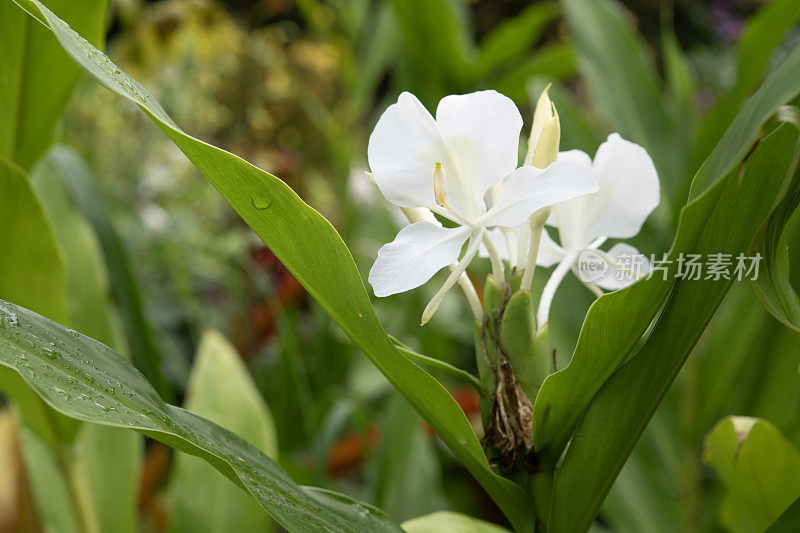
pixel 50 351
pixel 261 202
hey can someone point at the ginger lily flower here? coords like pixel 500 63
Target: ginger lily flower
pixel 629 192
pixel 447 165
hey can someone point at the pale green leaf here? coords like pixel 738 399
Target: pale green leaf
pixel 760 470
pixel 220 388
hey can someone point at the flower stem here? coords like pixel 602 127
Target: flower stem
pixel 550 289
pixel 471 295
pixel 498 271
pixel 536 223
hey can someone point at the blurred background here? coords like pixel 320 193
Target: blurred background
pixel 295 87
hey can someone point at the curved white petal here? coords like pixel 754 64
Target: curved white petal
pixel 402 150
pixel 418 252
pixel 528 189
pixel 481 130
pixel 550 253
pixel 627 266
pixel 629 191
pixel 629 187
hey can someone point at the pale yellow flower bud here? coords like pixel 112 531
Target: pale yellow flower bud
pixel 545 136
pixel 439 184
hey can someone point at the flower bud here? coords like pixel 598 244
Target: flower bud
pixel 439 184
pixel 545 133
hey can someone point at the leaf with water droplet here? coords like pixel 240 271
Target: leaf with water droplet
pixel 298 509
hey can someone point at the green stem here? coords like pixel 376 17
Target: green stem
pixel 541 488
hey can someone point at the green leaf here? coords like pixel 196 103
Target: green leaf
pixel 760 469
pixel 86 380
pixel 86 278
pixel 621 409
pixel 34 92
pixel 312 250
pixel 221 390
pixel 108 462
pixel 33 269
pixel 773 287
pixel 616 322
pixel 448 521
pixel 623 83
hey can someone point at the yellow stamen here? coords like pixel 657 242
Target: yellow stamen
pixel 439 184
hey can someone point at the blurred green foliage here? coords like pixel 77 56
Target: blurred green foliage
pixel 295 88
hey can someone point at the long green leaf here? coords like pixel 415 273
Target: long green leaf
pixel 222 390
pixel 621 409
pixel 774 285
pixel 315 254
pixel 36 79
pixel 616 322
pixel 88 381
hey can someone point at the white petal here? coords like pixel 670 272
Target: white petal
pixel 634 266
pixel 629 191
pixel 418 252
pixel 629 188
pixel 481 131
pixel 549 252
pixel 528 189
pixel 575 156
pixel 402 150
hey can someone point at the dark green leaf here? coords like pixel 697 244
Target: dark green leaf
pixel 616 322
pixel 621 409
pixel 773 285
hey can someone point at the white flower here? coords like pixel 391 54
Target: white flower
pixel 629 192
pixel 447 165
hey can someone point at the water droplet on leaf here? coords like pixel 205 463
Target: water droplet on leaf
pixel 261 202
